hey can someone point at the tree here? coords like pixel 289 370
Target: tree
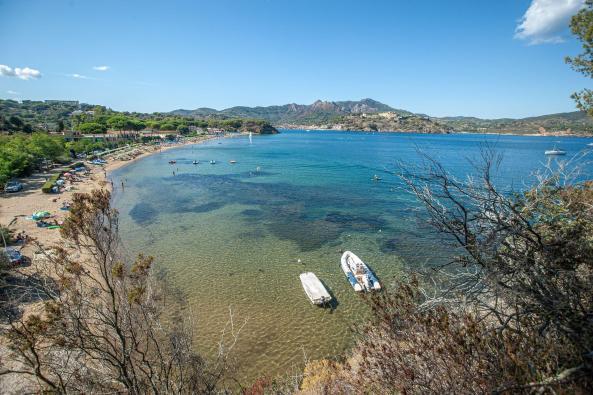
pixel 27 128
pixel 509 314
pixel 60 127
pixel 15 158
pixel 101 329
pixel 182 129
pixel 16 122
pixel 118 122
pixel 526 260
pixel 92 128
pixel 168 126
pixel 44 146
pixel 581 26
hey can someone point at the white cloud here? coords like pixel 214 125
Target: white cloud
pixel 12 92
pixel 546 20
pixel 79 76
pixel 24 73
pixel 101 68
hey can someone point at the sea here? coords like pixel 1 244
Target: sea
pixel 233 238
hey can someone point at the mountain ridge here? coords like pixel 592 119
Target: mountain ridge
pixel 357 107
pixel 349 114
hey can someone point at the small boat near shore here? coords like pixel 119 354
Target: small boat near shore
pixel 232 162
pixel 172 162
pixel 212 162
pixel 195 162
pixel 314 288
pixel 358 273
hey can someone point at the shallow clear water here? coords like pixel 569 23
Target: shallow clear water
pixel 231 235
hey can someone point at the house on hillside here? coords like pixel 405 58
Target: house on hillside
pixel 214 131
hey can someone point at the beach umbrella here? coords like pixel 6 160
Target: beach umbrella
pixel 68 174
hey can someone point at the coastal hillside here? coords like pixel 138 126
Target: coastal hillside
pixel 388 121
pixel 366 115
pixel 58 115
pixel 371 115
pixel 575 122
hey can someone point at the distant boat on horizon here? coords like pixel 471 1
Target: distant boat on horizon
pixel 555 151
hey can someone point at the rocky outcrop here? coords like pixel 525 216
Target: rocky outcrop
pixel 258 127
pixel 379 122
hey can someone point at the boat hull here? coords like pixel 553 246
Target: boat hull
pixel 358 274
pixel 314 289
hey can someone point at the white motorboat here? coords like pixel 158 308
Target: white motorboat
pixel 358 273
pixel 212 162
pixel 314 288
pixel 195 162
pixel 555 151
pixel 590 145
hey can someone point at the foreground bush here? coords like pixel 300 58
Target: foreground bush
pixel 101 328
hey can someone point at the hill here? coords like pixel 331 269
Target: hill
pixel 58 115
pixel 369 114
pixel 317 112
pixel 578 122
pixel 366 114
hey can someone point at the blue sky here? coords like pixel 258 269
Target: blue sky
pixel 436 57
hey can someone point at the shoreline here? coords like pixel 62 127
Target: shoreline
pixel 117 164
pixel 531 134
pixel 15 208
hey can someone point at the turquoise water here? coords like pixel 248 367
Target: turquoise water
pixel 230 235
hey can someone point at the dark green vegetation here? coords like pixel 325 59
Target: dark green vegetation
pixel 37 115
pixel 25 144
pixel 21 154
pixel 56 116
pixel 371 115
pixel 581 26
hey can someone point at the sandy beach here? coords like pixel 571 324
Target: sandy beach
pixel 16 208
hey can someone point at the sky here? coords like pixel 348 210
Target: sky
pixel 489 59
